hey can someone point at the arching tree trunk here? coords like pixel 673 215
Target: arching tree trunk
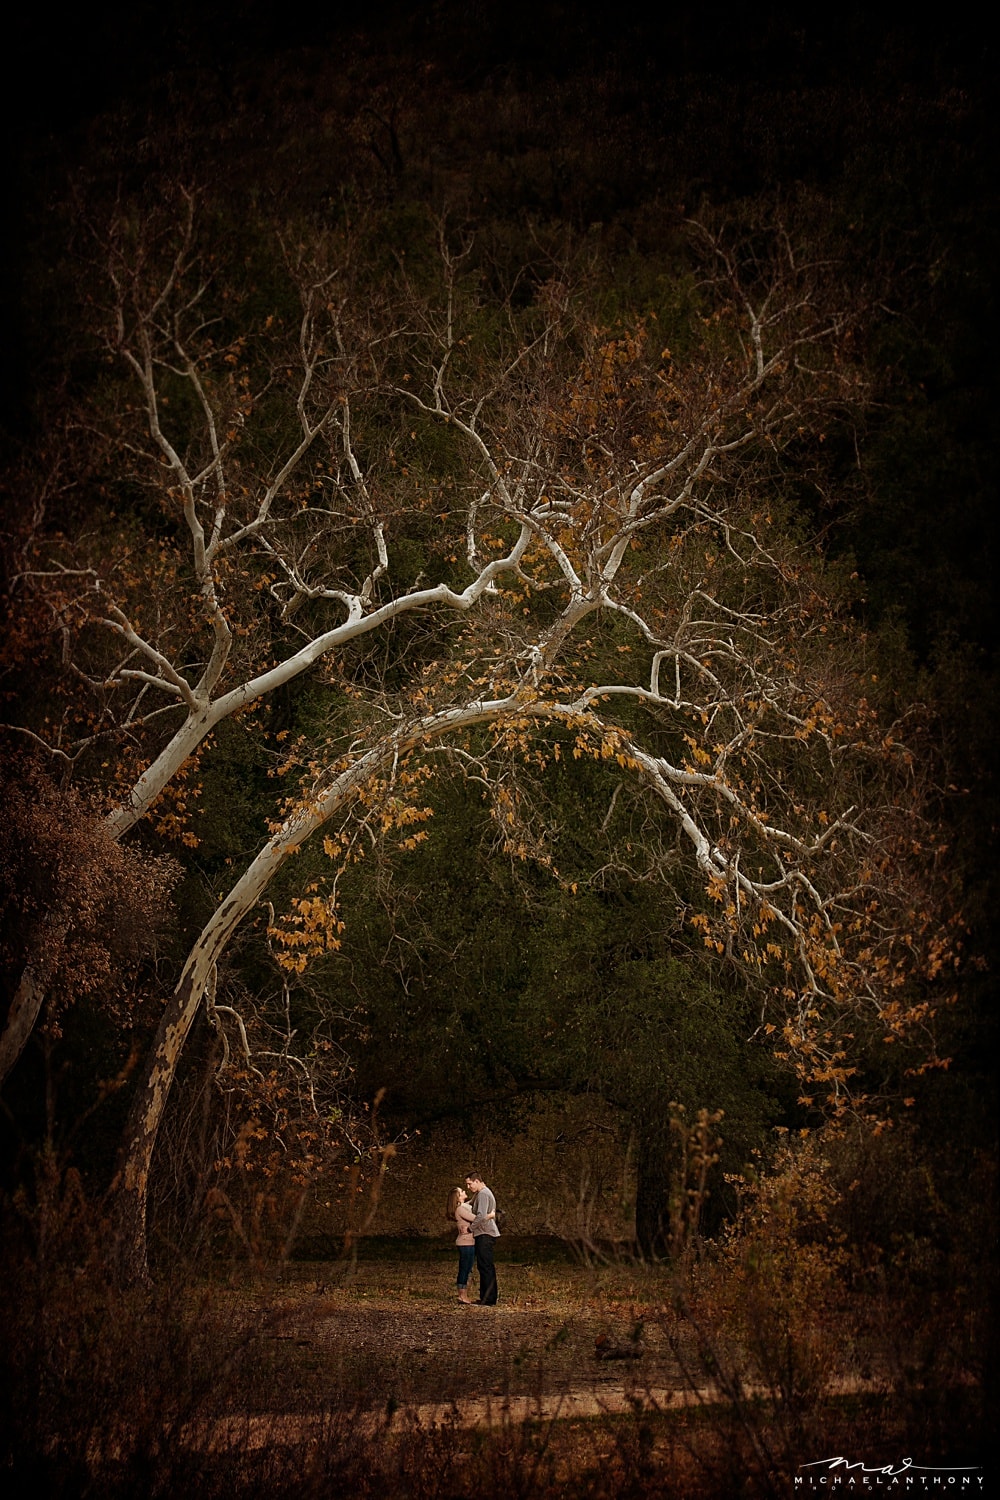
pixel 198 974
pixel 175 1025
pixel 147 1113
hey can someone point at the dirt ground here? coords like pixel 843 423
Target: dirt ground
pixel 337 1361
pixel 391 1331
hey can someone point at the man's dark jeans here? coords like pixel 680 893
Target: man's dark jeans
pixel 486 1269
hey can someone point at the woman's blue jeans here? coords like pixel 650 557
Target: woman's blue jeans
pixel 466 1257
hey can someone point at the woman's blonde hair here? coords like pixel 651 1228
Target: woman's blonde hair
pixel 452 1203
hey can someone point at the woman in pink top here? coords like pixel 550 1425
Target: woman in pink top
pixel 460 1212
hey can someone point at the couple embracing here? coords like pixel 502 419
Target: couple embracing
pixel 476 1222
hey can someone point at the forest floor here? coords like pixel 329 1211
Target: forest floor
pixel 367 1373
pixel 387 1330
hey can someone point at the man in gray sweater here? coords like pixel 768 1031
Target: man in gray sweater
pixel 484 1232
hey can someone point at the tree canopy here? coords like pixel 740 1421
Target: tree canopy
pixel 498 521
